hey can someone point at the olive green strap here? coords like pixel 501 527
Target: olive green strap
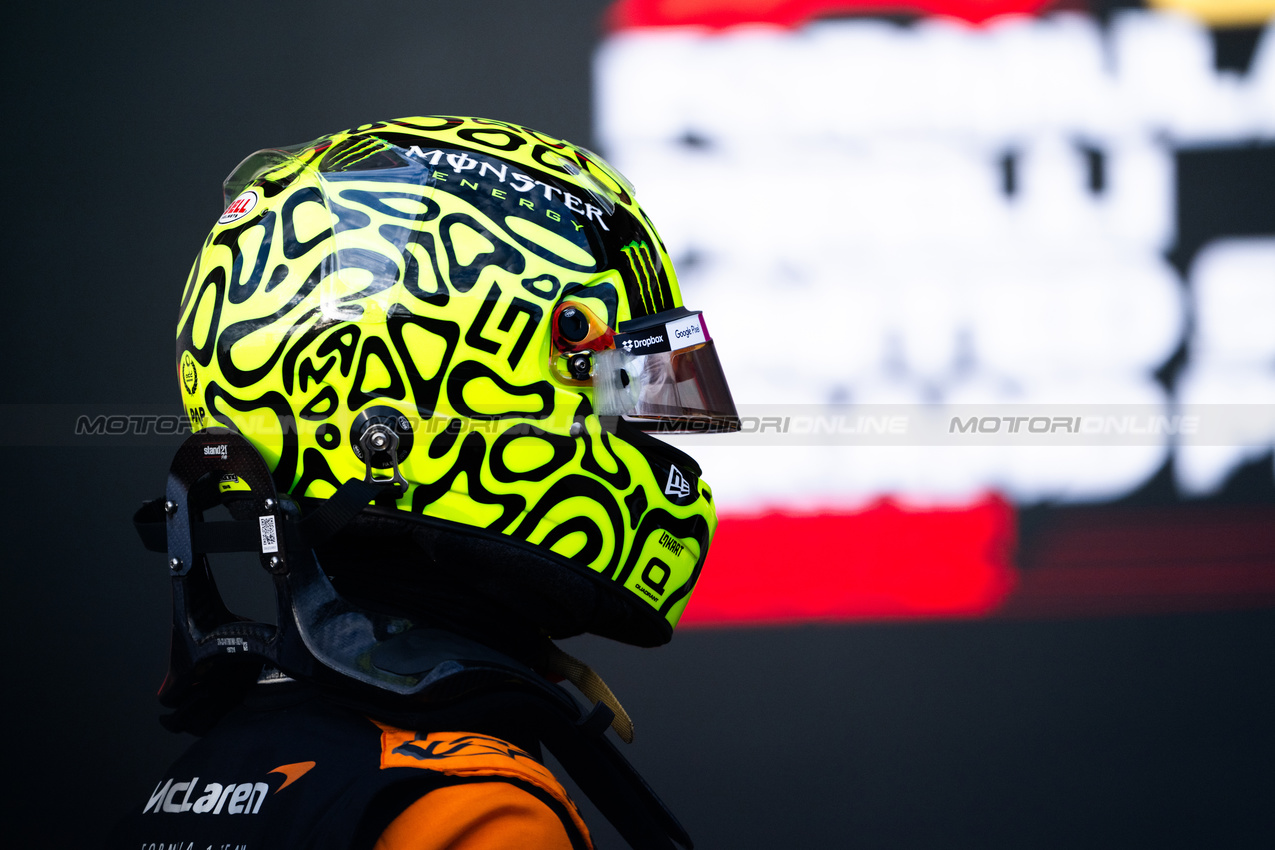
pixel 594 689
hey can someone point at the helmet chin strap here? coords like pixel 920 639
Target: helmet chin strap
pixel 590 684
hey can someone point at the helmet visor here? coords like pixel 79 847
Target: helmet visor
pixel 664 375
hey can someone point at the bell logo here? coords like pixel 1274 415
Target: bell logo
pixel 678 484
pixel 239 207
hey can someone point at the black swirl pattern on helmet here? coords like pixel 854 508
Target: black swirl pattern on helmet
pixel 232 334
pixel 304 371
pixel 292 249
pixel 445 439
pixel 189 289
pixel 438 123
pixel 240 289
pixel 463 276
pixel 544 253
pixel 323 405
pixel 383 273
pixel 377 201
pixel 533 284
pixel 278 276
pixel 470 460
pixel 314 467
pixel 545 139
pixel 327 435
pixel 510 140
pixel 406 237
pixel 375 347
pixel 620 478
pixel 203 354
pixel 636 503
pixel 594 543
pixel 547 156
pixel 575 487
pixel 699 527
pixel 343 342
pixel 562 447
pixel 471 370
pixel 591 168
pixel 347 218
pixel 425 390
pixel 276 183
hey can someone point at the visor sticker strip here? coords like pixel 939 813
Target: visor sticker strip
pixel 671 336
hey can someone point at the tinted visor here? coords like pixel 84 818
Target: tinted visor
pixel 664 375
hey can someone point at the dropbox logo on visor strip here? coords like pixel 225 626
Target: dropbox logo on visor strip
pixel 675 335
pixel 644 342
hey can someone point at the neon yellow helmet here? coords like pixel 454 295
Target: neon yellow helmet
pixel 484 315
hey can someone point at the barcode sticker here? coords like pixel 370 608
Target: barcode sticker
pixel 269 543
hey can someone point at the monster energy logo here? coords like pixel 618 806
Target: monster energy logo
pixel 345 156
pixel 646 282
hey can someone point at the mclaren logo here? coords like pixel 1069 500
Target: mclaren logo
pixel 235 798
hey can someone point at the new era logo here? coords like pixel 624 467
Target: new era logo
pixel 678 484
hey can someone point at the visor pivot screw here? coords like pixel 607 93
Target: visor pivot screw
pixel 577 429
pixel 170 507
pixel 269 504
pixel 580 366
pixel 573 325
pixel 174 564
pixel 381 437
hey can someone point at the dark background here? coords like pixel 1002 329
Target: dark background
pixel 122 121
